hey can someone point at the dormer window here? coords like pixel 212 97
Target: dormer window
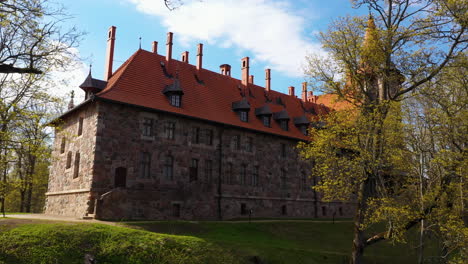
pixel 264 113
pixel 174 100
pixel 244 116
pixel 284 125
pixel 266 120
pixel 302 123
pixel 242 108
pixel 174 93
pixel 282 118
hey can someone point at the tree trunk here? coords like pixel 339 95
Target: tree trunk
pixel 29 185
pixel 358 240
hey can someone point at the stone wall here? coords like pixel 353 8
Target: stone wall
pixel 69 188
pixel 119 144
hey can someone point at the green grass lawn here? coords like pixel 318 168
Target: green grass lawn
pixel 35 241
pixel 284 242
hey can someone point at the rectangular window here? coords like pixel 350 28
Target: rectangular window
pixel 244 116
pixel 248 144
pixel 80 126
pixel 303 129
pixel 195 135
pixel 304 182
pixel 283 179
pixel 243 176
pixel 266 120
pixel 209 137
pixel 255 176
pixel 170 130
pixel 236 142
pixel 283 150
pixel 284 125
pixel 208 170
pixel 229 174
pixel 76 170
pixel 148 127
pixel 175 100
pixel 168 169
pixel 194 170
pixel 145 162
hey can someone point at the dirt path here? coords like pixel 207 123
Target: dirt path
pixel 55 218
pixel 78 220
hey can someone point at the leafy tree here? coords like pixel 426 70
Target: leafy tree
pixel 32 44
pixel 373 66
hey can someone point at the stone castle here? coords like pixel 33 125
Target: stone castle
pixel 160 138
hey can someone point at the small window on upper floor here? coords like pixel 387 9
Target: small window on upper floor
pixel 195 135
pixel 76 170
pixel 148 127
pixel 168 169
pixel 209 137
pixel 249 144
pixel 284 124
pixel 243 176
pixel 236 142
pixel 255 176
pixel 174 100
pixel 62 145
pixel 145 164
pixel 169 130
pixel 283 150
pixel 244 116
pixel 193 170
pixel 266 120
pixel 69 160
pixel 80 126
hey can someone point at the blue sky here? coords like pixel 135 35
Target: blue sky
pixel 274 34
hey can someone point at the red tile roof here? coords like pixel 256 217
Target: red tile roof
pixel 141 80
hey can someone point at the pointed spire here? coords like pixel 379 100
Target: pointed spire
pixel 372 50
pixel 139 45
pixel 71 104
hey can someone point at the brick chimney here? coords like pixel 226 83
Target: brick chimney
pixel 225 69
pixel 110 53
pixel 169 46
pixel 304 91
pixel 268 80
pixel 200 56
pixel 291 90
pixel 185 56
pixel 245 70
pixel 155 47
pixel 310 96
pixel 251 79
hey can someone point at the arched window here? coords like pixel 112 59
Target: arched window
pixel 76 169
pixel 69 158
pixel 62 145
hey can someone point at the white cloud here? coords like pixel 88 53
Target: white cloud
pixel 61 82
pixel 267 28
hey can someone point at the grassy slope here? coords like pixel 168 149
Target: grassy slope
pixel 189 242
pixel 68 243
